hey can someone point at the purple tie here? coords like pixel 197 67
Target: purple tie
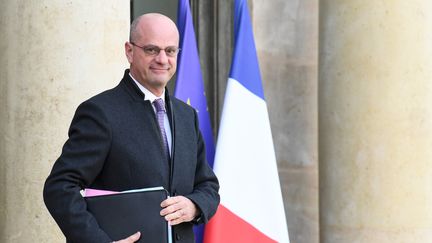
pixel 160 113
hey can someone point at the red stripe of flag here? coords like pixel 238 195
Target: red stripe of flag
pixel 226 227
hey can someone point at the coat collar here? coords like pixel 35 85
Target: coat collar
pixel 135 91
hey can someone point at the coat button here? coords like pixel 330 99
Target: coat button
pixel 177 236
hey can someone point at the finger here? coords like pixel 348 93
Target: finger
pixel 176 221
pixel 175 215
pixel 133 238
pixel 169 201
pixel 170 209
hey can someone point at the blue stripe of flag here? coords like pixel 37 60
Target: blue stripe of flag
pixel 244 67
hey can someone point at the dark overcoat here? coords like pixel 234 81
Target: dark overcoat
pixel 115 144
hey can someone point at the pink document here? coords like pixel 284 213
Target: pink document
pixel 94 192
pixel 88 192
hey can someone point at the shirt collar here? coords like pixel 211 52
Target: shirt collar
pixel 148 95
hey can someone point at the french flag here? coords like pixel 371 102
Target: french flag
pixel 251 209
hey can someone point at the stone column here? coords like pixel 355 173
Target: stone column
pixel 286 37
pixel 375 121
pixel 53 55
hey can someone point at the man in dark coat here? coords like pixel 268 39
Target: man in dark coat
pixel 117 142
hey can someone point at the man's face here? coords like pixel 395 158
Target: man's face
pixel 153 70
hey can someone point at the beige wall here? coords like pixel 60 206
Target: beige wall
pixel 375 121
pixel 54 54
pixel 286 36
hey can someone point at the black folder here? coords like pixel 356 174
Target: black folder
pixel 123 214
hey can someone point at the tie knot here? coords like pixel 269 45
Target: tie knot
pixel 159 104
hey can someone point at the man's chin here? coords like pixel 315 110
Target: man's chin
pixel 161 81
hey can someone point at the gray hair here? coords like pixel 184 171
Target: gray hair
pixel 134 33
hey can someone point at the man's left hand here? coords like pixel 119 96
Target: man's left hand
pixel 178 209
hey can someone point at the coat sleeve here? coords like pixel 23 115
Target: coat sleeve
pixel 81 160
pixel 206 186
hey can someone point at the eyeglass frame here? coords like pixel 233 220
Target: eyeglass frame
pixel 149 48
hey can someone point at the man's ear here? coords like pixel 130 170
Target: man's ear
pixel 129 51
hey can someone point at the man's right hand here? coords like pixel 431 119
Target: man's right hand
pixel 133 238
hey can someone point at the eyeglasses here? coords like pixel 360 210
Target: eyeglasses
pixel 152 50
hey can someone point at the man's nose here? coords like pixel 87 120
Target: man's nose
pixel 162 57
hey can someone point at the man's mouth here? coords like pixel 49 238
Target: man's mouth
pixel 159 69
